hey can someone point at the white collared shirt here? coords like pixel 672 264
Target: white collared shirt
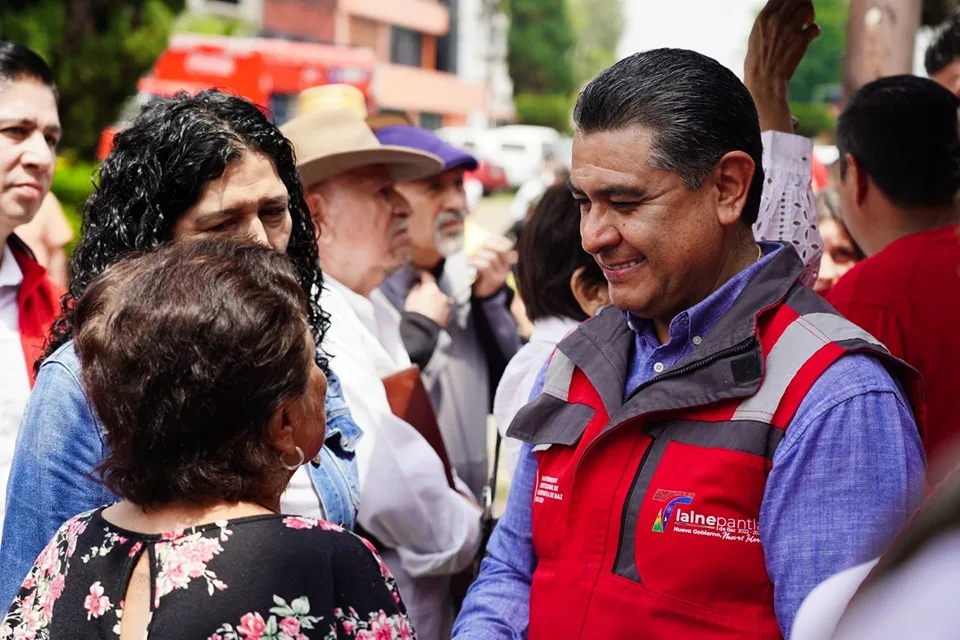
pixel 430 530
pixel 513 392
pixel 14 379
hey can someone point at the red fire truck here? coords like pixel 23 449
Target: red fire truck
pixel 268 72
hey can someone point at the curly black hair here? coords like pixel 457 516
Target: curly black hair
pixel 157 170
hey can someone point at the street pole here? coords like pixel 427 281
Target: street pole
pixel 880 40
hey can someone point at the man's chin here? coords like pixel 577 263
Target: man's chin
pixel 399 258
pixel 628 300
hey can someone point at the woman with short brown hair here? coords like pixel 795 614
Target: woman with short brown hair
pixel 200 362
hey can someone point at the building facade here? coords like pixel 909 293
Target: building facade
pixel 440 62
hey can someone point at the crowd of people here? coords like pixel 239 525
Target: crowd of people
pixel 258 406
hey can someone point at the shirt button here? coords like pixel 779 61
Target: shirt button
pixel 697 340
pixel 658 367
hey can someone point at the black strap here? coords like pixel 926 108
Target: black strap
pixel 487 521
pixel 496 468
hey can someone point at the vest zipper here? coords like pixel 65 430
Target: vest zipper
pixel 743 347
pixel 623 517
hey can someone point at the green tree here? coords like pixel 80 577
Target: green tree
pixel 98 50
pixel 540 44
pixel 822 67
pixel 598 25
pixel 214 25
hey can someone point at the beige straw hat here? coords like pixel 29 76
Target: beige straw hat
pixel 330 142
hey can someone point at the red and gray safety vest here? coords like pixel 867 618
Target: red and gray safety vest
pixel 645 511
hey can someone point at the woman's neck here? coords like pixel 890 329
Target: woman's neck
pixel 178 516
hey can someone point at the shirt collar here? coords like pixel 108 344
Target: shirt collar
pixel 692 325
pixel 552 329
pixel 10 273
pixel 361 305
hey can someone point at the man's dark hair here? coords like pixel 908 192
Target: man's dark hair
pixel 697 109
pixel 550 252
pixel 157 170
pixel 186 353
pixel 20 63
pixel 945 46
pixel 902 131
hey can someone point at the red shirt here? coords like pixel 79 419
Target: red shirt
pixel 38 300
pixel 908 297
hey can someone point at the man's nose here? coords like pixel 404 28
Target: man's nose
pixel 596 231
pixel 455 200
pixel 38 154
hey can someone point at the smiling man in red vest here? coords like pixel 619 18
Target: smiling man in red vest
pixel 709 449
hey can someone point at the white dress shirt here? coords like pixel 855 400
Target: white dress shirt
pixel 513 392
pixel 14 379
pixel 430 530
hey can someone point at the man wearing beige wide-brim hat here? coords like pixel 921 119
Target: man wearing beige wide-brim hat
pixel 428 530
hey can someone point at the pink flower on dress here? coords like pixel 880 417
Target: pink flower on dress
pixel 50 596
pixel 252 626
pixel 381 627
pixel 403 626
pixel 135 549
pixel 290 626
pixel 329 526
pixel 96 603
pixel 299 522
pixel 75 529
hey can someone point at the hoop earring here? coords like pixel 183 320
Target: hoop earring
pixel 293 467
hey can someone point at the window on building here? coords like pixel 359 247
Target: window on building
pixel 447 44
pixel 431 121
pixel 406 47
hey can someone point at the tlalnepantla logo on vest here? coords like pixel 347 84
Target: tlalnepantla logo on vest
pixel 679 515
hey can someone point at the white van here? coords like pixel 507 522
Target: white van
pixel 522 149
pixel 464 137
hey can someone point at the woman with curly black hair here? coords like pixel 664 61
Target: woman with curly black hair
pixel 188 167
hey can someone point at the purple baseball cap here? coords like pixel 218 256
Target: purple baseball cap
pixel 423 140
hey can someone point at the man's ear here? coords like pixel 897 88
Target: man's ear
pixel 319 207
pixel 858 178
pixel 732 177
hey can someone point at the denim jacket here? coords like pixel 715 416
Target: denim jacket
pixel 60 443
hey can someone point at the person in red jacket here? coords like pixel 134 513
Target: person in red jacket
pixel 29 301
pixel 899 177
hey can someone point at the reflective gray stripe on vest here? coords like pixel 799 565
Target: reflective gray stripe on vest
pixel 800 341
pixel 559 375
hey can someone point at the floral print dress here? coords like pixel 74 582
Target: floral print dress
pixel 268 577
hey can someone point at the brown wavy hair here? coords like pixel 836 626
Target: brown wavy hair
pixel 186 353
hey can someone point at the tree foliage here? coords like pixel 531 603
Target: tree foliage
pixel 98 50
pixel 822 67
pixel 214 25
pixel 540 43
pixel 598 26
pixel 544 109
